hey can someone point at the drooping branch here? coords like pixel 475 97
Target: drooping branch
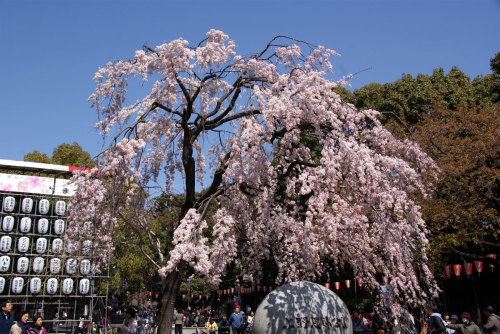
pixel 232 118
pixel 473 256
pixel 217 180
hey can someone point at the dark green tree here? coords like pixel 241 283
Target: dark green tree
pixel 495 63
pixel 64 154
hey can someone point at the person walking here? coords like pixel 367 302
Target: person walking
pixel 236 321
pixel 178 320
pixel 435 324
pixel 466 327
pixel 21 325
pixel 130 323
pixel 492 325
pixel 6 319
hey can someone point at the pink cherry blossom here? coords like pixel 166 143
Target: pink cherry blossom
pixel 240 124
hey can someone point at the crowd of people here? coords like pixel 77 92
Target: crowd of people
pixel 20 325
pixel 432 322
pixel 214 322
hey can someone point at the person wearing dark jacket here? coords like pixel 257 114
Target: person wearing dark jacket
pixel 357 323
pixel 6 319
pixel 467 326
pixel 21 325
pixel 224 326
pixel 493 321
pixel 435 324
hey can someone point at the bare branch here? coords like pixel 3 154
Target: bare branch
pixel 231 118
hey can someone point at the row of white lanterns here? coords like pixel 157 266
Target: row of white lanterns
pixel 39 264
pixel 23 245
pixel 25 225
pixel 51 285
pixel 9 204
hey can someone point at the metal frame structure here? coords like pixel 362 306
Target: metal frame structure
pixel 75 293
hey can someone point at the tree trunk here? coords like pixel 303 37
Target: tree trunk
pixel 170 288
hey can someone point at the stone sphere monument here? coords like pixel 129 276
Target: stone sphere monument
pixel 302 307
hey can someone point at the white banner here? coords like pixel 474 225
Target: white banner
pixel 36 185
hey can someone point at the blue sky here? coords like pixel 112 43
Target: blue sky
pixel 51 49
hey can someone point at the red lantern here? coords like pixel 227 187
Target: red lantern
pixel 207 297
pixel 447 269
pixel 468 268
pixel 360 282
pixel 492 256
pixel 327 285
pixel 183 296
pixel 457 268
pixel 348 283
pixel 337 286
pixel 386 280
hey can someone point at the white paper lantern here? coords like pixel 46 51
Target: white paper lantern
pixel 17 285
pixel 35 285
pixel 23 244
pixel 51 286
pixel 43 206
pixel 71 266
pixel 27 205
pixel 43 225
pixel 4 263
pixel 25 225
pixel 22 265
pixel 67 286
pixel 60 208
pixel 5 243
pixel 85 267
pixel 55 265
pixel 9 203
pixel 2 284
pixel 38 264
pixel 57 246
pixel 86 247
pixel 41 245
pixel 84 286
pixel 59 226
pixel 8 223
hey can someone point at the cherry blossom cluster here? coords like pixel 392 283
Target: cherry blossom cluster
pixel 302 179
